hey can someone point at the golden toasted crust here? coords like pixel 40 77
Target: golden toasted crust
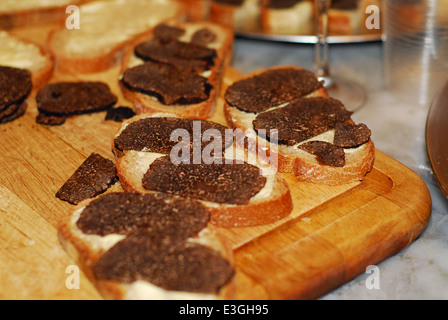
pixel 41 74
pixel 145 104
pixel 86 255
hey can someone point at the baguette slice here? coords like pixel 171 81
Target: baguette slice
pixel 106 28
pixel 145 103
pixel 23 54
pixel 271 203
pixel 197 10
pixel 296 19
pixel 240 15
pixel 358 161
pixel 348 17
pixel 14 14
pixel 87 249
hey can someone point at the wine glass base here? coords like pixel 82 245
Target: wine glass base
pixel 350 93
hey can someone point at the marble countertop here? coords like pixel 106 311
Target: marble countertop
pixel 420 271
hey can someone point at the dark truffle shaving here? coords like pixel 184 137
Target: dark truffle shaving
pixel 152 134
pixel 302 119
pixel 123 213
pixel 325 152
pixel 167 83
pixel 349 135
pixel 270 89
pixel 93 177
pixel 216 182
pixel 166 263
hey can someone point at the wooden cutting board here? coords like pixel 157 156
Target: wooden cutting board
pixel 331 236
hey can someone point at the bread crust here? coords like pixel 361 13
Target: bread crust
pixel 302 164
pixel 41 76
pixel 146 104
pixel 86 256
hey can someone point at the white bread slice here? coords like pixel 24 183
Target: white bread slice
pixel 197 10
pixel 106 28
pixel 223 45
pixel 243 17
pixel 273 202
pixel 86 250
pixel 22 13
pixel 359 161
pixel 295 20
pixel 349 21
pixel 23 54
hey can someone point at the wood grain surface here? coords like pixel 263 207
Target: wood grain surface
pixel 332 235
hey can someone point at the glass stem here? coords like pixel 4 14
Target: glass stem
pixel 321 67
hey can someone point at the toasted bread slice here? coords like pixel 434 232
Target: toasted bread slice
pixel 295 19
pixel 269 203
pixel 147 102
pixel 107 27
pixel 197 10
pixel 19 53
pixel 291 157
pixel 240 15
pixel 92 249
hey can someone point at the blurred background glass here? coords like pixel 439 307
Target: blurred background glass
pixel 416 48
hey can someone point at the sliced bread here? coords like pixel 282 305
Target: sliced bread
pixel 302 113
pixel 178 69
pixel 106 28
pixel 23 54
pixel 290 17
pixel 240 15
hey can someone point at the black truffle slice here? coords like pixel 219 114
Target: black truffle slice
pixel 203 37
pixel 270 89
pixel 187 56
pixel 13 112
pixel 166 263
pixel 159 214
pixel 216 182
pixel 153 134
pixel 167 83
pixel 325 152
pixel 166 33
pixel 70 98
pixel 93 177
pixel 119 114
pixel 15 86
pixel 50 120
pixel 302 119
pixel 351 135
